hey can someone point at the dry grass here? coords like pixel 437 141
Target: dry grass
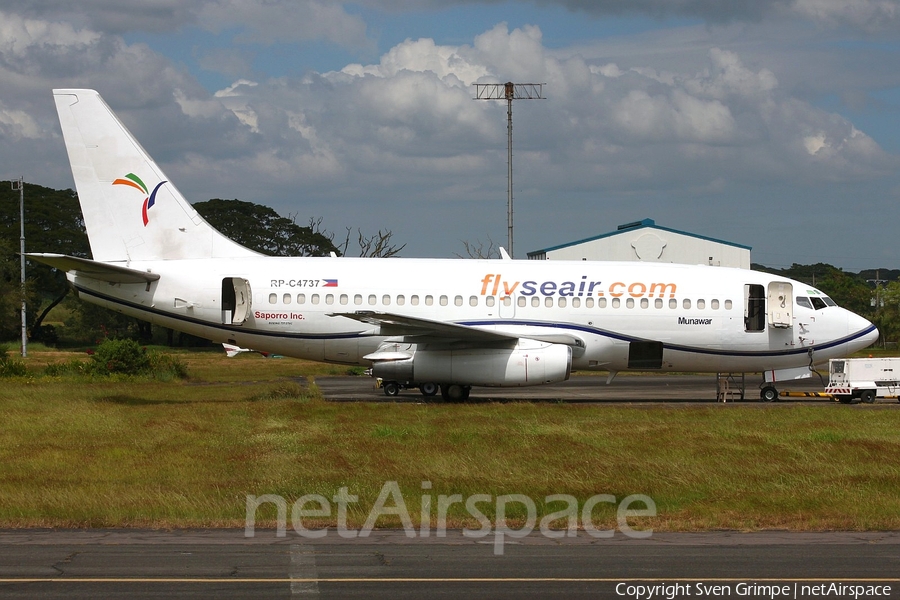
pixel 131 452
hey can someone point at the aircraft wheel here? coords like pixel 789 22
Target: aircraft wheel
pixel 428 389
pixel 391 388
pixel 867 396
pixel 768 394
pixel 454 392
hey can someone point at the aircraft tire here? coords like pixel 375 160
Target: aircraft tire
pixel 768 394
pixel 391 388
pixel 867 396
pixel 454 392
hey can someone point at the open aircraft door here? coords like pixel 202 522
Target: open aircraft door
pixel 236 300
pixel 781 304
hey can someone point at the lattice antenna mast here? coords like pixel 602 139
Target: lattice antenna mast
pixel 509 91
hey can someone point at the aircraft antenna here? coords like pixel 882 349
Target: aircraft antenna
pixel 509 91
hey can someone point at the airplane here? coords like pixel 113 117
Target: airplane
pixel 435 324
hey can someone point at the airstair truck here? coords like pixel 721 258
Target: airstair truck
pixel 863 379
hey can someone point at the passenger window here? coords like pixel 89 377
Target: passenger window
pixel 804 302
pixel 357 299
pixel 629 303
pixel 507 301
pixel 576 302
pixel 548 301
pixel 701 304
pixel 658 303
pixel 616 303
pixel 489 300
pixel 401 300
pixel 444 301
pixel 414 300
pixel 686 304
pixel 286 298
pixel 473 300
pixel 273 298
pixel 458 301
pixel 535 301
pixel 522 301
pixel 386 299
pixel 315 298
pixel 344 299
pixel 329 299
pixel 714 304
pixel 429 300
pixel 645 303
pixel 301 298
pixel 562 302
pixel 728 305
pixel 673 303
pixel 373 300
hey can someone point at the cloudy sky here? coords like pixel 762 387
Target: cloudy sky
pixel 770 123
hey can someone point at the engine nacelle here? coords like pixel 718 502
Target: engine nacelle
pixel 529 363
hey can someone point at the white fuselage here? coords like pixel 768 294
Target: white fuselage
pixel 683 317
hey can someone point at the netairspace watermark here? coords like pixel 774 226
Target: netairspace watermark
pixel 390 502
pixel 774 591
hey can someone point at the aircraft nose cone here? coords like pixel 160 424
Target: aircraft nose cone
pixel 867 332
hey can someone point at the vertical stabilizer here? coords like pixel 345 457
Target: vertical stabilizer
pixel 131 210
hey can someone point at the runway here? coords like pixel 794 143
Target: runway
pixel 224 563
pixel 626 388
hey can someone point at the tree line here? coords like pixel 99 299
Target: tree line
pixel 53 223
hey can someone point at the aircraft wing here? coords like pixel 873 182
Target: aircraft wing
pixel 391 324
pixel 95 270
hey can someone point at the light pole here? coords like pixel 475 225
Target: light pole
pixel 509 91
pixel 19 185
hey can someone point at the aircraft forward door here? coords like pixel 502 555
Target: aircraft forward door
pixel 236 300
pixel 781 304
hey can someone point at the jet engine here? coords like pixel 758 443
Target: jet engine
pixel 529 363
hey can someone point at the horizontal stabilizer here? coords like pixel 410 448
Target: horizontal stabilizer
pixel 84 267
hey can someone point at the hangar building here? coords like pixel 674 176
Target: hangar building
pixel 647 241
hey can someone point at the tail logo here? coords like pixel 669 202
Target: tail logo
pixel 134 181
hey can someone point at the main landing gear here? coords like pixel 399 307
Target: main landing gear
pixel 450 392
pixel 392 388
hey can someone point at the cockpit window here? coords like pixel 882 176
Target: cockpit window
pixel 818 303
pixel 829 301
pixel 803 301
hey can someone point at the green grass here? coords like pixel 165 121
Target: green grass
pixel 92 452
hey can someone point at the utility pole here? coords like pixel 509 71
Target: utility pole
pixel 509 91
pixel 878 281
pixel 19 185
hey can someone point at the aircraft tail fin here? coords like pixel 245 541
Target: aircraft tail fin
pixel 131 210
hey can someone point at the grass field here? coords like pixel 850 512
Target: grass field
pixel 92 452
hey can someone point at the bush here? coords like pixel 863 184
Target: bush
pixel 166 367
pixel 126 357
pixel 9 366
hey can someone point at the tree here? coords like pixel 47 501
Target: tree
pixel 262 229
pixel 53 223
pixel 479 249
